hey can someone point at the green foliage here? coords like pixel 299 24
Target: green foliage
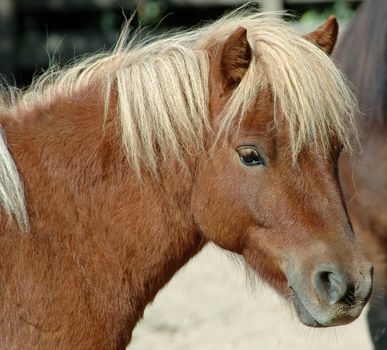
pixel 150 11
pixel 340 8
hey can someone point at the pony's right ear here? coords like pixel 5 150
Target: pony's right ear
pixel 235 58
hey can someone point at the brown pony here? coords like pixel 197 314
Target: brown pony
pixel 119 169
pixel 363 56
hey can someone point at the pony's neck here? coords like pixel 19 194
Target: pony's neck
pixel 124 238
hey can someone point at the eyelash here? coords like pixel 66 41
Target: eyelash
pixel 249 156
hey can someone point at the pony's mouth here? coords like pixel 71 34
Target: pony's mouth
pixel 302 312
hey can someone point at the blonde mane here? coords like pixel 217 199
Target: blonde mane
pixel 11 187
pixel 163 95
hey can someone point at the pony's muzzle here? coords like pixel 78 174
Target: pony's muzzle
pixel 335 298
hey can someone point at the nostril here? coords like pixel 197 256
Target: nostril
pixel 331 286
pixel 323 281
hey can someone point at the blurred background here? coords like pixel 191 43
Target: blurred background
pixel 208 305
pixel 34 33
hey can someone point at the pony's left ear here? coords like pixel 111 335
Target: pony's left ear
pixel 235 58
pixel 325 36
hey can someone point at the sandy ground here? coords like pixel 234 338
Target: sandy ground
pixel 208 305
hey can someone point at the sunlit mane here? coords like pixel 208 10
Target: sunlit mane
pixel 11 187
pixel 162 88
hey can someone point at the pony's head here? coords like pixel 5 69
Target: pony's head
pixel 268 189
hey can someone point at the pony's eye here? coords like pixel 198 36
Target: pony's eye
pixel 249 156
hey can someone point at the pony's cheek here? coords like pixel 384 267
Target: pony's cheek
pixel 224 224
pixel 226 231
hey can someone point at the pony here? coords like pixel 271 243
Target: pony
pixel 118 169
pixel 362 54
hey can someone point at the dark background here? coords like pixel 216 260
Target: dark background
pixel 34 33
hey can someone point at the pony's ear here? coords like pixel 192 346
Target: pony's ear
pixel 325 36
pixel 235 58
